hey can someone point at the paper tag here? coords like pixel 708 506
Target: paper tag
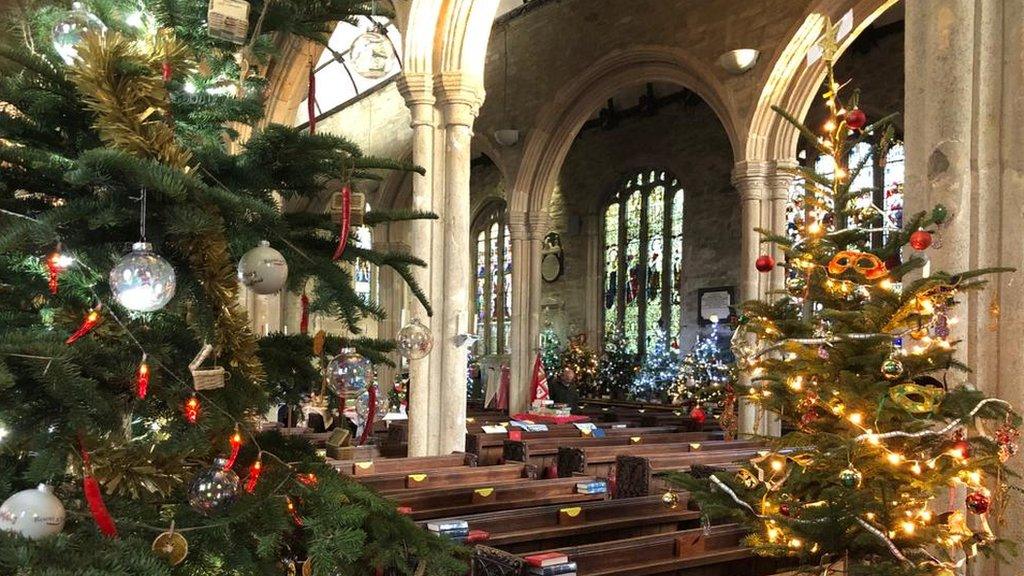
pixel 494 429
pixel 585 427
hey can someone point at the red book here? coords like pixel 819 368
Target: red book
pixel 478 536
pixel 546 559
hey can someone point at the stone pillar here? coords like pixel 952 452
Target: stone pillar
pixel 780 181
pixel 965 149
pixel 392 297
pixel 594 283
pixel 423 399
pixel 527 235
pixel 459 101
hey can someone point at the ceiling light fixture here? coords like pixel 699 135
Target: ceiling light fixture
pixel 739 61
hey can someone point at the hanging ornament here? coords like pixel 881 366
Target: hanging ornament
pixel 978 502
pixel 142 281
pixel 69 31
pixel 414 340
pixel 892 368
pixel 747 479
pixel 1007 437
pixel 371 54
pixel 864 263
pixel 34 514
pixel 228 20
pixel 304 316
pixel 785 510
pixel 856 119
pixel 764 263
pixel 94 498
pixel 961 449
pixel 921 239
pixel 55 264
pixel 346 221
pixel 809 417
pixel 698 415
pixel 171 546
pixel 370 407
pixel 263 269
pixel 670 499
pixel 191 410
pixel 142 378
pixel 349 374
pixel 236 446
pixel 255 469
pixel 214 489
pixel 850 477
pixel 311 98
pixel 166 71
pixel 90 322
pixel 915 398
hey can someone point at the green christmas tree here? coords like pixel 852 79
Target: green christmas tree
pixel 579 366
pixel 660 371
pixel 708 372
pixel 857 361
pixel 148 108
pixel 551 352
pixel 616 370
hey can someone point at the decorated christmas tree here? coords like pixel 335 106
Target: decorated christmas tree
pixel 551 352
pixel 579 366
pixel 616 370
pixel 897 462
pixel 660 371
pixel 119 124
pixel 708 371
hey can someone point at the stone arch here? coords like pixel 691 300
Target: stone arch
pixel 560 120
pixel 792 84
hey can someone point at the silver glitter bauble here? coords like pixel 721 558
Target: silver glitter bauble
pixel 142 281
pixel 414 340
pixel 213 490
pixel 349 374
pixel 372 55
pixel 68 31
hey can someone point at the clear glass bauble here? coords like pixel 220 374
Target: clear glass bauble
pixel 213 490
pixel 362 404
pixel 68 31
pixel 414 340
pixel 263 269
pixel 142 281
pixel 372 56
pixel 349 374
pixel 34 513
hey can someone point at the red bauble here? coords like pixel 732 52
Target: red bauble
pixel 698 415
pixel 809 417
pixel 962 449
pixel 764 263
pixel 978 502
pixel 856 119
pixel 784 509
pixel 921 240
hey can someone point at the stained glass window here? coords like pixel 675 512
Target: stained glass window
pixel 363 273
pixel 492 280
pixel 643 236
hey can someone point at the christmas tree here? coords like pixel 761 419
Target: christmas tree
pixel 708 371
pixel 126 115
pixel 551 352
pixel 660 370
pixel 897 460
pixel 617 369
pixel 579 366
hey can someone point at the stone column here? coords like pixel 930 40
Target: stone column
pixel 423 402
pixel 780 181
pixel 527 235
pixel 392 297
pixel 459 100
pixel 965 149
pixel 594 284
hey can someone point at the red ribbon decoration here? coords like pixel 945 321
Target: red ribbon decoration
pixel 236 445
pixel 94 497
pixel 346 221
pixel 311 99
pixel 192 410
pixel 90 322
pixel 255 469
pixel 166 71
pixel 142 378
pixel 304 319
pixel 371 413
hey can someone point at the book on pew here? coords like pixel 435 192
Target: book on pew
pixel 546 559
pixel 596 487
pixel 451 525
pixel 459 535
pixel 566 569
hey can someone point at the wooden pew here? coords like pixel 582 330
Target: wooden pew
pixel 544 451
pixel 411 465
pixel 717 553
pixel 488 447
pixel 637 475
pixel 450 477
pixel 429 503
pixel 600 460
pixel 557 526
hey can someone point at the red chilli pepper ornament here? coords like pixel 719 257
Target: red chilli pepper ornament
pixel 94 497
pixel 304 318
pixel 371 414
pixel 311 99
pixel 346 221
pixel 92 319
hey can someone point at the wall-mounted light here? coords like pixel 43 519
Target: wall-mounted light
pixel 506 137
pixel 739 61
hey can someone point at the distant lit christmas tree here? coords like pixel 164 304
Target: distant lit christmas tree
pixel 708 370
pixel 616 371
pixel 579 366
pixel 551 351
pixel 660 371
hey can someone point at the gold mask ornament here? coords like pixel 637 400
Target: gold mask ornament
pixel 865 264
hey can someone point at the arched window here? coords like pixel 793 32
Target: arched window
pixel 884 177
pixel 493 278
pixel 643 257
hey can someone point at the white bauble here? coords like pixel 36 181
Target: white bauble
pixel 263 269
pixel 142 280
pixel 414 340
pixel 69 31
pixel 35 513
pixel 372 55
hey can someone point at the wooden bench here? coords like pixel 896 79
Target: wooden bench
pixel 636 475
pixel 409 465
pixel 428 503
pixel 600 460
pixel 544 451
pixel 719 552
pixel 556 526
pixel 488 447
pixel 450 477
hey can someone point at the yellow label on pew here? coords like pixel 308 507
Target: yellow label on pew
pixel 694 446
pixel 585 432
pixel 484 492
pixel 635 439
pixel 364 465
pixel 417 477
pixel 572 512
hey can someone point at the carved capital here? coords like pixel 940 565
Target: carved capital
pixel 527 225
pixel 781 177
pixel 749 178
pixel 459 96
